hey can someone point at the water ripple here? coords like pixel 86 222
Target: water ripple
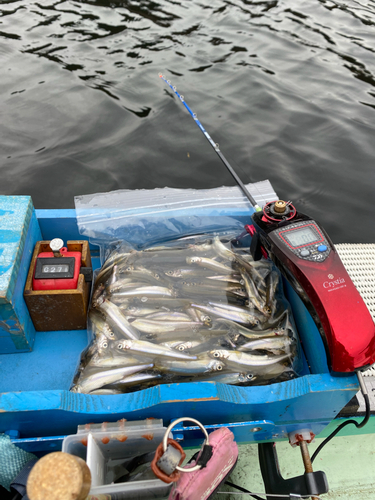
pixel 286 88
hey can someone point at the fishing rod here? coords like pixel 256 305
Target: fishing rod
pixel 215 146
pixel 300 247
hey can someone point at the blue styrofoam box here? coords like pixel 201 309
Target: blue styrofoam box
pixel 35 400
pixel 19 231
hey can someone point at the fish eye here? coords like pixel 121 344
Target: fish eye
pixel 119 346
pixel 249 376
pixel 219 368
pixel 216 354
pixel 128 268
pixel 181 347
pixel 105 345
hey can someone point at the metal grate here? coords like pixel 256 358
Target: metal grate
pixel 359 261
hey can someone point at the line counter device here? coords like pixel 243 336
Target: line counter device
pixel 58 285
pixel 58 269
pixel 304 253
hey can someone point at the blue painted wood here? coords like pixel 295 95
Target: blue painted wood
pixel 312 400
pixel 40 444
pixel 61 224
pixel 19 231
pixel 35 399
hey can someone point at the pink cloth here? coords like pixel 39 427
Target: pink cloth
pixel 201 484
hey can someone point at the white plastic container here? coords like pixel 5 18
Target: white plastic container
pixel 106 446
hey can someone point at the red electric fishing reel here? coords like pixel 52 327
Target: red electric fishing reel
pixel 306 256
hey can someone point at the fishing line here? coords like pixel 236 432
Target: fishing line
pixel 341 426
pixel 244 491
pixel 215 146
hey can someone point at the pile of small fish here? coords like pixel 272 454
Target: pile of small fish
pixel 187 312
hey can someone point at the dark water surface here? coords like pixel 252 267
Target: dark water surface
pixel 287 88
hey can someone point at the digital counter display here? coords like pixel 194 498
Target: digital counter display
pixel 300 237
pixel 55 269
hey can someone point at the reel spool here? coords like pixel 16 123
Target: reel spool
pixel 276 211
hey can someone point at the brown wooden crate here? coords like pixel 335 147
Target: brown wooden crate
pixel 59 309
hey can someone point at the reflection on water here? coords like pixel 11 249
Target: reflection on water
pixel 286 88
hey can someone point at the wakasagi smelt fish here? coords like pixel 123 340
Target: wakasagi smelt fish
pixel 148 349
pixel 115 315
pixel 106 377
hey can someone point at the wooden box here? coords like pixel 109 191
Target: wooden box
pixel 59 309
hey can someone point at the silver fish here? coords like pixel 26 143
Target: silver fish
pixel 145 291
pixel 222 250
pixel 114 276
pixel 143 274
pixel 109 333
pixel 200 316
pixel 237 329
pixel 106 269
pixel 97 294
pixel 229 278
pixel 272 284
pixel 153 326
pixel 102 378
pixel 212 284
pixel 121 284
pixel 279 343
pixel 228 307
pixel 102 343
pixel 182 335
pixel 141 312
pixel 193 289
pixel 228 378
pixel 203 364
pixel 243 360
pixel 170 303
pixel 209 264
pixel 240 317
pixel 115 361
pixel 137 378
pixel 169 316
pixel 184 272
pixel 254 296
pixel 252 269
pixel 182 346
pixel 117 318
pixel 144 348
pixel 105 392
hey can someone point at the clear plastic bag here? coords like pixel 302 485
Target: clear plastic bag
pixel 193 309
pixel 145 217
